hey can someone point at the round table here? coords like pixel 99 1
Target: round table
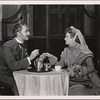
pixel 42 84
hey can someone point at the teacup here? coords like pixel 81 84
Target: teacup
pixel 47 66
pixel 57 68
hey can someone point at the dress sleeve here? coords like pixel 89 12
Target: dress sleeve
pixel 61 62
pixel 89 67
pixel 53 60
pixel 63 57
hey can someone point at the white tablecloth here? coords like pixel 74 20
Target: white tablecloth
pixel 42 84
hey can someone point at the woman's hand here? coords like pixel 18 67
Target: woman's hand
pixel 71 72
pixel 48 54
pixel 75 71
pixel 44 55
pixel 78 70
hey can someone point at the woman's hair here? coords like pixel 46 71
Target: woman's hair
pixel 72 34
pixel 17 28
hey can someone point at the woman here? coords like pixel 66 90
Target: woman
pixel 77 59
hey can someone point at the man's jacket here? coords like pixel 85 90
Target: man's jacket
pixel 11 58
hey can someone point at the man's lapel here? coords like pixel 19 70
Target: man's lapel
pixel 17 48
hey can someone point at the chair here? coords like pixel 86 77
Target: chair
pixel 80 90
pixel 4 90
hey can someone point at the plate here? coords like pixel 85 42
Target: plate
pixel 34 70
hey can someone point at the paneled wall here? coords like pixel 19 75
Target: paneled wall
pixel 30 19
pixel 8 12
pixel 0 22
pixel 90 28
pixel 89 21
pixel 47 24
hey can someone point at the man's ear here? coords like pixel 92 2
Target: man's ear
pixel 17 33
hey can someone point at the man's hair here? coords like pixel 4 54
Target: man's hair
pixel 72 34
pixel 18 28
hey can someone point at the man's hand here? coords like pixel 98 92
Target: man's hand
pixel 33 54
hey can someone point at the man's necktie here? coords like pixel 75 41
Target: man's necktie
pixel 22 45
pixel 23 50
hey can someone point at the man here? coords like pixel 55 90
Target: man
pixel 14 56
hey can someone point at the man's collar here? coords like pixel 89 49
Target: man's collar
pixel 18 40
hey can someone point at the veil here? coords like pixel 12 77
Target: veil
pixel 83 46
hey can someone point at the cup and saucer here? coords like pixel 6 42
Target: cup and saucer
pixel 57 68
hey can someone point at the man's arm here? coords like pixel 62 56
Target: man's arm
pixel 11 61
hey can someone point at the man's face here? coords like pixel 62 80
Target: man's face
pixel 24 33
pixel 67 39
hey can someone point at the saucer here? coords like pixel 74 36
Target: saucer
pixel 58 71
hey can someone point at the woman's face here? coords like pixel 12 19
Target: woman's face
pixel 68 39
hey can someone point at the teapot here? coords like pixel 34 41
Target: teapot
pixel 38 64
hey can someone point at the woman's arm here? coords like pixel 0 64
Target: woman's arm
pixel 53 59
pixel 85 68
pixel 89 66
